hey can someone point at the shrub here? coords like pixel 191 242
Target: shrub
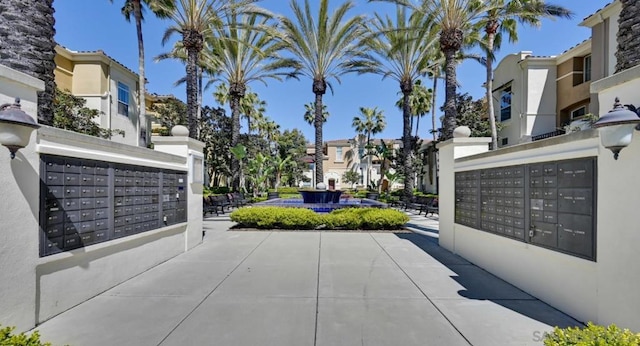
pixel 300 218
pixel 383 219
pixel 290 195
pixel 286 190
pixel 592 335
pixel 275 217
pixel 6 338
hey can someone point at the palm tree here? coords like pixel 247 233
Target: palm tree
pixel 420 102
pixel 402 49
pixel 628 52
pixel 245 48
pixel 326 48
pixel 251 106
pixel 369 122
pixel 435 74
pixel 193 21
pixel 179 53
pixel 27 45
pixel 268 129
pixel 454 19
pixel 161 9
pixel 502 17
pixel 310 113
pixel 253 109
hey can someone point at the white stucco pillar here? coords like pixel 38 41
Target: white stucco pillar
pixel 19 210
pixel 180 144
pixel 450 151
pixel 617 227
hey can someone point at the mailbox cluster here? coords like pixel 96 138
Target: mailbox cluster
pixel 563 205
pixel 548 204
pixel 502 196
pixel 467 200
pixel 84 202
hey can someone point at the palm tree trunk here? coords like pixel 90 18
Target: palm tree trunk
pixel 234 104
pixel 433 106
pixel 450 94
pixel 417 124
pixel 489 86
pixel 27 45
pixel 319 152
pixel 200 90
pixel 406 88
pixel 142 114
pixel 628 52
pixel 411 126
pixel 192 91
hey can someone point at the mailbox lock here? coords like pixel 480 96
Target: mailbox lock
pixel 531 232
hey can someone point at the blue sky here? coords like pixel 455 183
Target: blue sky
pixel 87 25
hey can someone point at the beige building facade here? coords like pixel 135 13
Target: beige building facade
pixel 540 97
pixel 107 86
pixel 344 155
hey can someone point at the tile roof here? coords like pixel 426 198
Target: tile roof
pixel 99 51
pixel 596 12
pixel 576 45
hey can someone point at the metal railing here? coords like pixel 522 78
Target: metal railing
pixel 548 135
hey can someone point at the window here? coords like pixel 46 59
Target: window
pixel 578 112
pixel 505 141
pixel 505 104
pixel 123 99
pixel 587 68
pixel 339 154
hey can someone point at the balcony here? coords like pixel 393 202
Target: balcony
pixel 548 135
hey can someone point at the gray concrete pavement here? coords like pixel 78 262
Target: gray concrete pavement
pixel 310 288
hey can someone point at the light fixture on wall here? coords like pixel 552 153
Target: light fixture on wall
pixel 616 127
pixel 15 127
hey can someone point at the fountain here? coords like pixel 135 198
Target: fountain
pixel 322 200
pixel 320 195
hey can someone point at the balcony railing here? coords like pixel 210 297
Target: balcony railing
pixel 548 135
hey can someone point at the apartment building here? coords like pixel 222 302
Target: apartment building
pixel 538 97
pixel 107 86
pixel 343 155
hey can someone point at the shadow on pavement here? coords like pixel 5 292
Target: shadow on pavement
pixel 481 285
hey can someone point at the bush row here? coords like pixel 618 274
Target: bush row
pixel 8 338
pixel 300 218
pixel 592 335
pixel 286 190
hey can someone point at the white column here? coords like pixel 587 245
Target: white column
pixel 450 151
pixel 180 144
pixel 19 211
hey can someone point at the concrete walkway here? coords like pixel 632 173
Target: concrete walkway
pixel 310 288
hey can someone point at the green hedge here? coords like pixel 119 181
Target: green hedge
pixel 22 339
pixel 286 190
pixel 216 190
pixel 592 335
pixel 300 218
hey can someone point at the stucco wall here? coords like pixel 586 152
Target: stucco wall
pixel 129 124
pixel 603 291
pixel 541 96
pixel 18 211
pixel 34 289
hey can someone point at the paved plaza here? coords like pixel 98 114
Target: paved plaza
pixel 310 288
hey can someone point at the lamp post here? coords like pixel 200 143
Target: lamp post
pixel 15 127
pixel 616 128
